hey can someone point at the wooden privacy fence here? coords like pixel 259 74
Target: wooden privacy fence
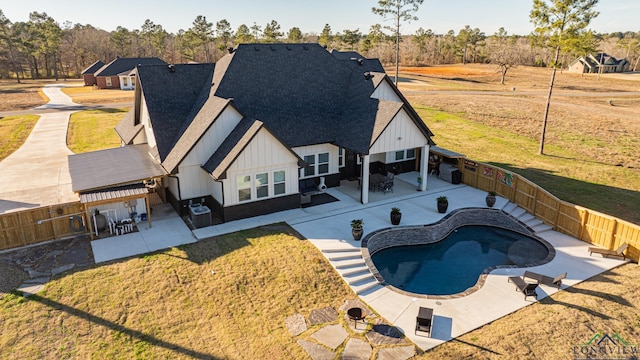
pixel 40 224
pixel 576 221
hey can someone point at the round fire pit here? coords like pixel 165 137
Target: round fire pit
pixel 356 314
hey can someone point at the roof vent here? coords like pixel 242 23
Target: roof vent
pixel 305 47
pixel 360 62
pixel 288 47
pixel 231 50
pixel 172 68
pixel 273 48
pixel 368 76
pixel 256 48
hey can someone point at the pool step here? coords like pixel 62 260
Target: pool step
pixel 366 287
pixel 350 264
pixel 527 218
pixel 343 254
pixel 354 270
pixel 358 278
pixel 540 228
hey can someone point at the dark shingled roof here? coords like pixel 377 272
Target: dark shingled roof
pixel 127 129
pixel 302 94
pixel 93 67
pixel 171 96
pixel 120 65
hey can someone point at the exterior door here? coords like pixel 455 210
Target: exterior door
pixel 351 168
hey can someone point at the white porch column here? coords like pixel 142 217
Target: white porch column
pixel 364 189
pixel 424 167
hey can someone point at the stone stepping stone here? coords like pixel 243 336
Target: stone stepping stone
pixel 396 353
pixel 295 324
pixel 357 349
pixel 315 351
pixel 331 336
pixel 62 269
pixel 324 315
pixel 30 289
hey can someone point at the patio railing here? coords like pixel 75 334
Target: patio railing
pixel 579 222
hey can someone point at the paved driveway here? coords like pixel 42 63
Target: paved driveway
pixel 37 174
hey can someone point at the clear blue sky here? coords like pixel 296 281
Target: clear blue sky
pixel 310 16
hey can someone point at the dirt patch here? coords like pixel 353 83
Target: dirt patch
pixel 21 96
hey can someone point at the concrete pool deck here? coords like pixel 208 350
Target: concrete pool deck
pixel 328 228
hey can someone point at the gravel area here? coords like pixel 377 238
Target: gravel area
pixel 12 277
pixel 43 261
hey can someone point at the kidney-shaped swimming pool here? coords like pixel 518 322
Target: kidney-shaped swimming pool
pixel 454 263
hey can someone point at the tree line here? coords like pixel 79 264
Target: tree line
pixel 42 48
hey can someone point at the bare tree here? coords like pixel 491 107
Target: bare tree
pixel 398 10
pixel 504 52
pixel 559 20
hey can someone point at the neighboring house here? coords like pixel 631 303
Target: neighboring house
pixel 116 74
pixel 88 73
pixel 598 63
pixel 243 134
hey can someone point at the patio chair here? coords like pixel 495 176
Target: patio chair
pixel 424 320
pixel 546 280
pixel 386 186
pixel 528 289
pixel 619 252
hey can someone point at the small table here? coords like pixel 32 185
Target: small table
pixel 356 314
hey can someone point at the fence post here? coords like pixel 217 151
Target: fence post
pixel 612 239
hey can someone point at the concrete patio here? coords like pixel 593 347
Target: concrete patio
pixel 328 228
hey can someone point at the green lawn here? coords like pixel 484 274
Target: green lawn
pixel 91 130
pixel 14 130
pixel 607 188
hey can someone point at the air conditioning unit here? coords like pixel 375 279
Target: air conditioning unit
pixel 200 216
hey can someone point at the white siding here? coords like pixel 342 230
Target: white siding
pixel 194 181
pixel 265 154
pixel 401 133
pixel 384 91
pixel 144 120
pixel 213 137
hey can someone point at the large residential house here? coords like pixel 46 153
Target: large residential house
pixel 599 63
pixel 117 74
pixel 242 135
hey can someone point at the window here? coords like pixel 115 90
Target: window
pixel 340 157
pixel 244 187
pixel 405 154
pixel 311 169
pixel 279 183
pixel 262 185
pixel 323 163
pixel 108 79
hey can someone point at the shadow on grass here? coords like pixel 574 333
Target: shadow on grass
pixel 621 203
pixel 550 301
pixel 135 334
pixel 209 249
pixel 482 348
pixel 602 295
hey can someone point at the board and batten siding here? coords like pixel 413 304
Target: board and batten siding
pixel 146 122
pixel 401 134
pixel 264 154
pixel 195 181
pixel 384 91
pixel 333 151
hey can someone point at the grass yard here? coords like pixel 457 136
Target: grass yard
pixel 172 305
pixel 91 130
pixel 14 130
pixel 89 95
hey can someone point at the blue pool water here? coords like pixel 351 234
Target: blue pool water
pixel 453 265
